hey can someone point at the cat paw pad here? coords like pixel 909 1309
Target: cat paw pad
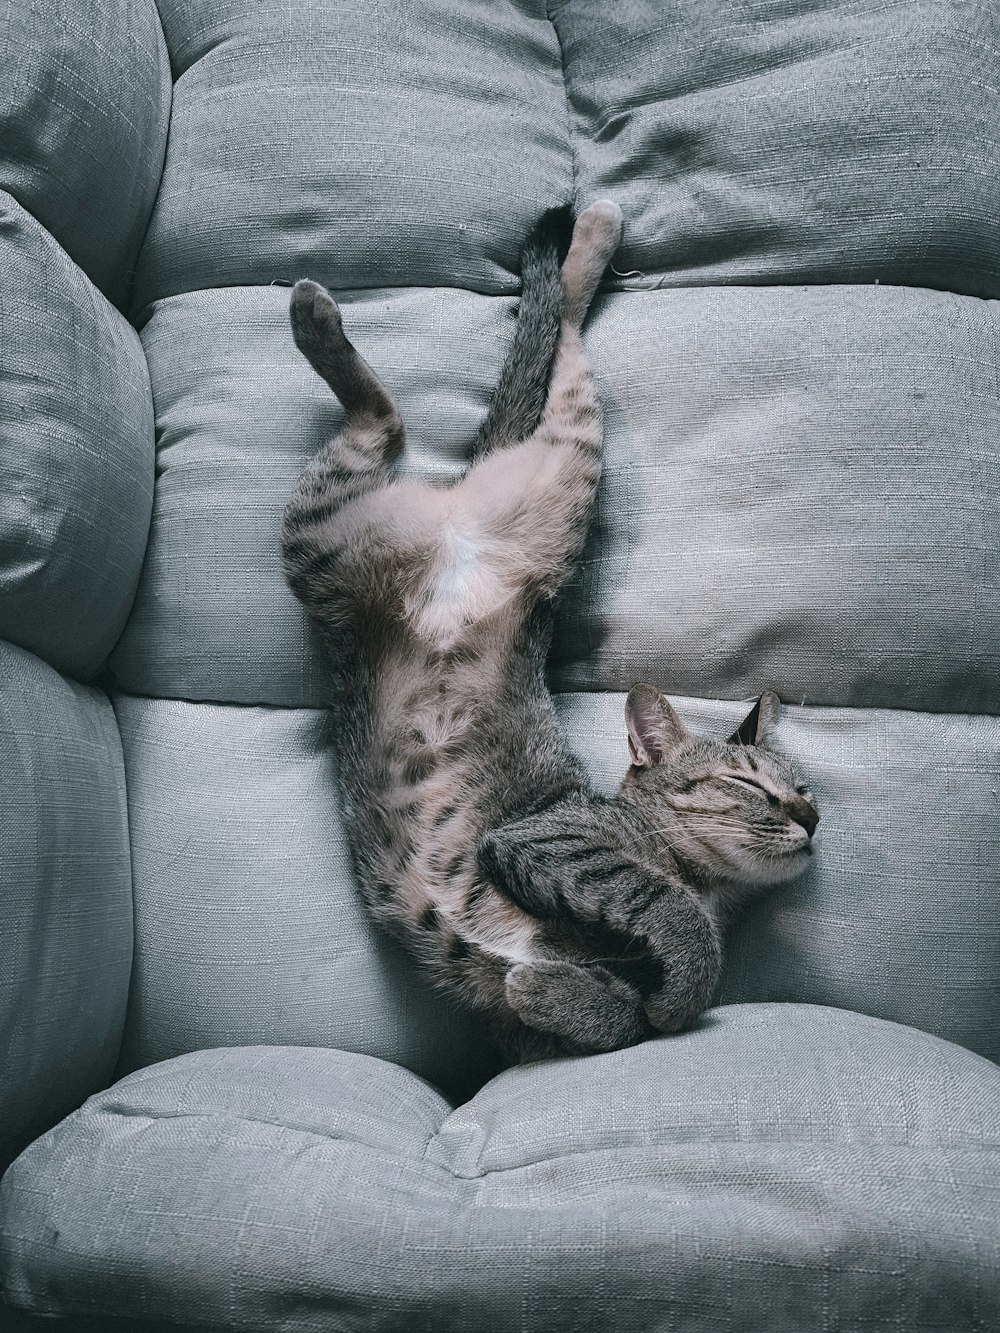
pixel 314 313
pixel 600 225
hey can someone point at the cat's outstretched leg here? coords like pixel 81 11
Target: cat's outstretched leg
pixel 519 396
pixel 319 335
pixel 531 502
pixel 596 236
pixel 588 1009
pixel 356 461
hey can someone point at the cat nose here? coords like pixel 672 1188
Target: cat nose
pixel 804 813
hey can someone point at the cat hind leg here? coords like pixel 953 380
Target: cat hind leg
pixel 588 1008
pixel 596 236
pixel 351 466
pixel 318 330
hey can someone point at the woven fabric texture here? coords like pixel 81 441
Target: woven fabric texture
pixel 370 145
pixel 801 491
pixel 249 927
pixel 824 141
pixel 84 108
pixel 782 1167
pixel 66 944
pixel 76 453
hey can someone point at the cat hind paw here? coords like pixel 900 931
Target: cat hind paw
pixel 587 1007
pixel 599 226
pixel 315 317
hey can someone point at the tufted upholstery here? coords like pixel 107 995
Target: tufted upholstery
pixel 798 357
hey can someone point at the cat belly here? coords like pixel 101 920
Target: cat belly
pixel 443 874
pixel 465 585
pixel 428 883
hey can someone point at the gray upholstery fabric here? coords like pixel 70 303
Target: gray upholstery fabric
pixel 84 107
pixel 782 1167
pixel 820 141
pixel 76 453
pixel 801 490
pixel 373 145
pixel 248 924
pixel 66 943
pixel 249 927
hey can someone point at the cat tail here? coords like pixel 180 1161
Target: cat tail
pixel 516 405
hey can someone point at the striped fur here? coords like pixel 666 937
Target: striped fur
pixel 578 924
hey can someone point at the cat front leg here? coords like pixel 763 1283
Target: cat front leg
pixel 683 935
pixel 356 459
pixel 555 866
pixel 318 330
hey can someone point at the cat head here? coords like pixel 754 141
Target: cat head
pixel 736 809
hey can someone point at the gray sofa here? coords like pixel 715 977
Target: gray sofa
pixel 229 1103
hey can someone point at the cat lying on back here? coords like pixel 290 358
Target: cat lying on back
pixel 578 923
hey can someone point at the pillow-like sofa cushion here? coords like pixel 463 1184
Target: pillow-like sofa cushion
pixel 369 145
pixel 67 896
pixel 84 107
pixel 752 143
pixel 787 1163
pixel 76 453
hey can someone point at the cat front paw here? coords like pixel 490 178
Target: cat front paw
pixel 668 1012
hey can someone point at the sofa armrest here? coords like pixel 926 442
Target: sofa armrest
pixel 66 944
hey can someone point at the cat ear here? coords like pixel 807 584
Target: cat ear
pixel 654 729
pixel 757 726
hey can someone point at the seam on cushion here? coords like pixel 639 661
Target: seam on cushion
pixel 131 867
pixel 570 137
pixel 139 317
pixel 115 691
pixel 132 314
pixel 987 1149
pixel 230 1118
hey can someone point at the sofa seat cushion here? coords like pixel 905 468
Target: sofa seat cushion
pixel 800 491
pixel 793 1159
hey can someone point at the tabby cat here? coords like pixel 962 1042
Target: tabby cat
pixel 578 923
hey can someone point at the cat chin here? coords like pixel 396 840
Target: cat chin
pixel 781 869
pixel 762 872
